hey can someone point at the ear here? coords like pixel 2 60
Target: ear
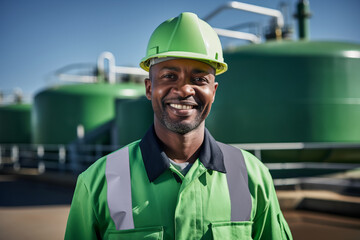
pixel 216 84
pixel 148 88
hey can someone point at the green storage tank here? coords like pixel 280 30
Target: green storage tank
pixel 59 112
pixel 287 91
pixel 15 123
pixel 133 118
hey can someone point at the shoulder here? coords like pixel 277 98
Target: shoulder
pixel 253 164
pixel 258 174
pixel 255 167
pixel 94 176
pixel 260 183
pixel 259 180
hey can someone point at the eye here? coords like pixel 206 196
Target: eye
pixel 200 80
pixel 169 76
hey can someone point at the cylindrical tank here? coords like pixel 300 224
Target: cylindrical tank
pixel 64 113
pixel 133 118
pixel 289 92
pixel 15 126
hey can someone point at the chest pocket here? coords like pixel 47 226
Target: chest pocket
pixel 231 230
pixel 149 233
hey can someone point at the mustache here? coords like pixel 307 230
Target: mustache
pixel 183 100
pixel 179 99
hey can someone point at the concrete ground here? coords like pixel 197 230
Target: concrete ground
pixel 33 209
pixel 306 225
pixel 35 222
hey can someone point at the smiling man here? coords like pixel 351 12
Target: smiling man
pixel 177 182
pixel 181 92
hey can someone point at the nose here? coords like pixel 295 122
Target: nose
pixel 184 89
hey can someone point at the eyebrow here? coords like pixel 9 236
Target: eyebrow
pixel 176 69
pixel 170 68
pixel 196 71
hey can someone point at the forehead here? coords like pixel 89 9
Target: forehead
pixel 181 65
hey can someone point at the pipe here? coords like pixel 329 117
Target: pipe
pixel 113 69
pixel 250 8
pixel 238 35
pixel 131 70
pixel 255 9
pixel 71 78
pixel 101 65
pixel 303 14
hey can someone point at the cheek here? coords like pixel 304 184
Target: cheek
pixel 208 95
pixel 159 92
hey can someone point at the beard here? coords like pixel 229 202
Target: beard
pixel 180 127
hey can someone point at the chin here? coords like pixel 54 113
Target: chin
pixel 181 128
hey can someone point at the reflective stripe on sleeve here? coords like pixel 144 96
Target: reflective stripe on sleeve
pixel 119 189
pixel 237 179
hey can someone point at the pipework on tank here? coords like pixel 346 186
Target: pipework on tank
pixel 12 96
pixel 100 73
pixel 276 14
pixel 303 14
pixel 113 69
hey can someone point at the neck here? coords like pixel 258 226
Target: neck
pixel 181 147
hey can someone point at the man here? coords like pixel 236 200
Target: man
pixel 177 182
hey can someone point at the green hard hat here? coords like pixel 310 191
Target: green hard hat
pixel 185 36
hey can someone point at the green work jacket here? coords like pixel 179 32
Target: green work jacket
pixel 135 193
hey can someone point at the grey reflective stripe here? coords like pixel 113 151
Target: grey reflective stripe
pixel 119 189
pixel 237 178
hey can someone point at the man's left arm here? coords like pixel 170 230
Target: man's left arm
pixel 270 223
pixel 268 220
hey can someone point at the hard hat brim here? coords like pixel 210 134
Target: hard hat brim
pixel 219 66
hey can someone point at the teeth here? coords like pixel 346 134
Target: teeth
pixel 180 106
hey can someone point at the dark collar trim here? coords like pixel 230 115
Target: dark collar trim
pixel 211 155
pixel 156 161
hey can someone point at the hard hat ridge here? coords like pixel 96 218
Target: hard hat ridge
pixel 185 36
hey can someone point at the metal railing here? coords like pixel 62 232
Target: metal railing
pixel 73 158
pixel 77 157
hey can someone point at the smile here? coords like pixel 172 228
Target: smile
pixel 181 106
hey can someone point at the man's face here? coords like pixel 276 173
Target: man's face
pixel 182 92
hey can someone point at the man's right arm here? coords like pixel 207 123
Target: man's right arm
pixel 82 221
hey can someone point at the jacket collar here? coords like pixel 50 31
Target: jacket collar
pixel 156 161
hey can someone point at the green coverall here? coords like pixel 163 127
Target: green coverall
pixel 173 206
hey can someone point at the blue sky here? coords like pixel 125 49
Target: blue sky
pixel 38 37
